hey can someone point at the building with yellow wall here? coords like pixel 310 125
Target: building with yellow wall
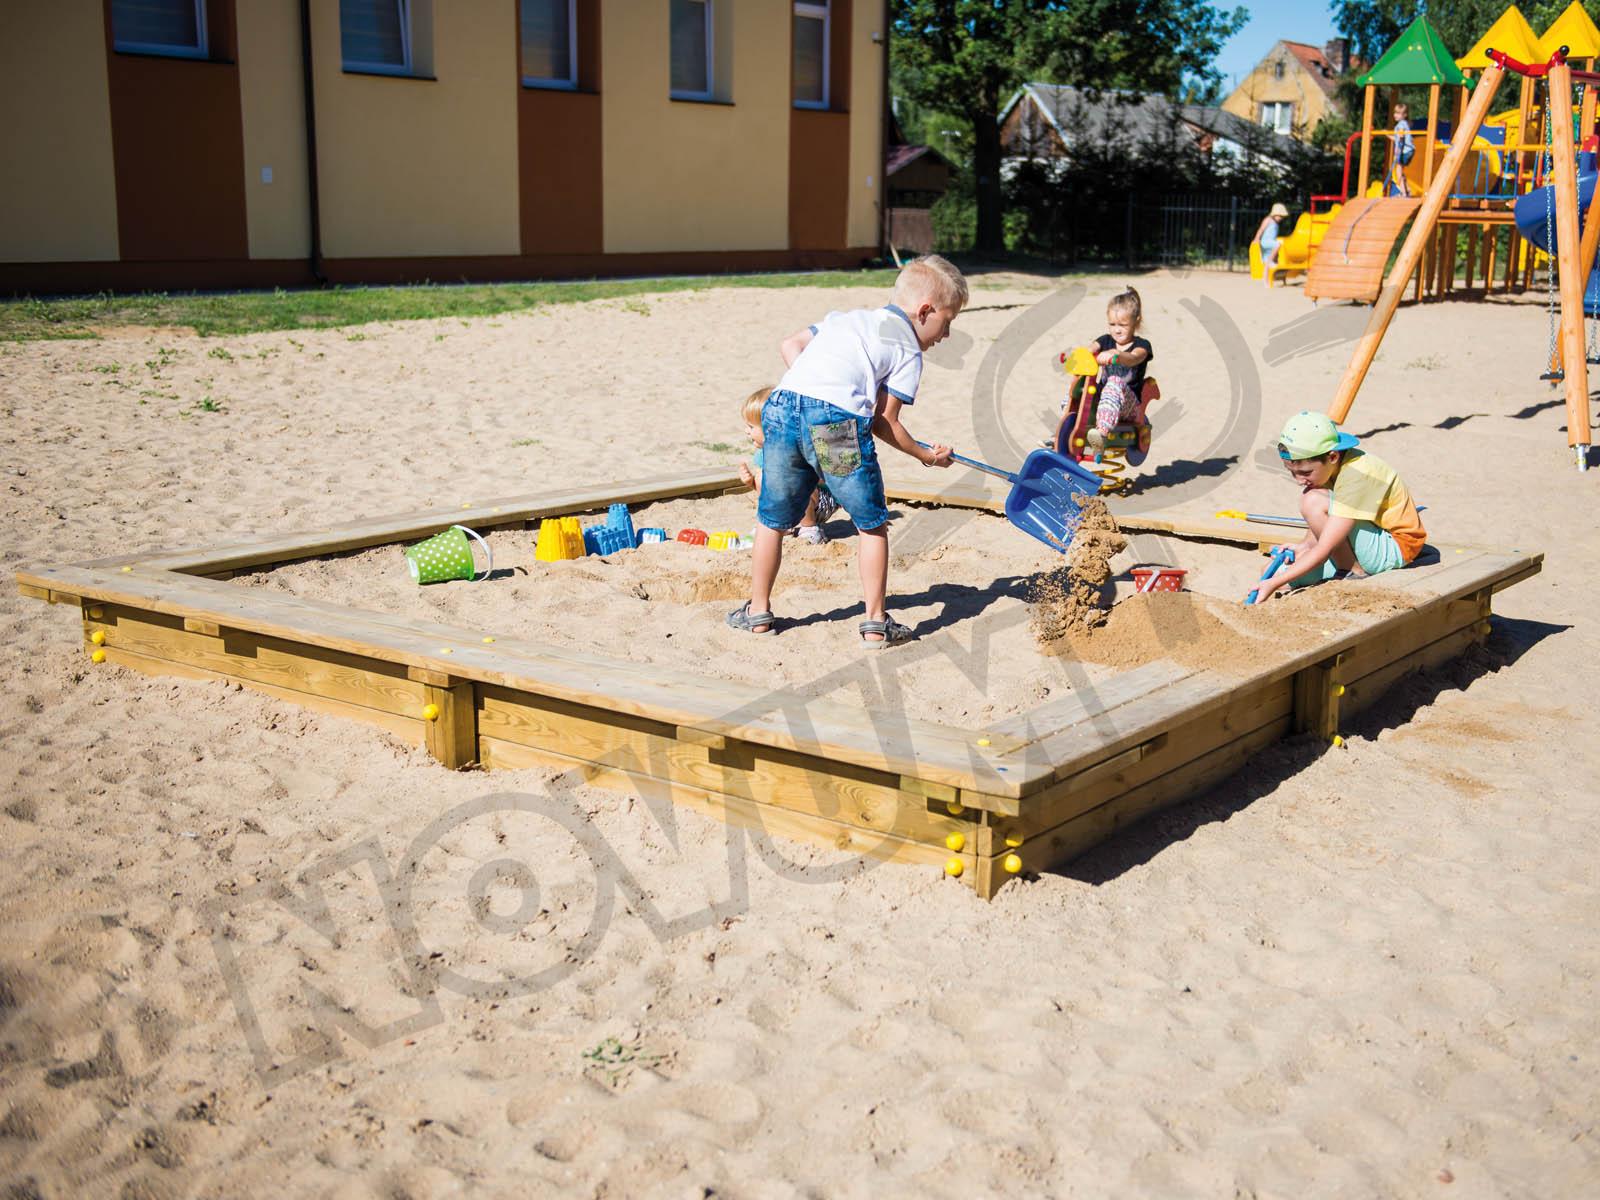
pixel 228 143
pixel 1292 88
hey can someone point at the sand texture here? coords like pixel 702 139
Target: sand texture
pixel 246 949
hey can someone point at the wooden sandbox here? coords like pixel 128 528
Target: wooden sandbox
pixel 1027 793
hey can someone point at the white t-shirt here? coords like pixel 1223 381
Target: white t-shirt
pixel 853 354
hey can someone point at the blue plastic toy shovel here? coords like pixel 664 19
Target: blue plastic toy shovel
pixel 1046 494
pixel 1280 556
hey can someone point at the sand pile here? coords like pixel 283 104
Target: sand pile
pixel 1071 600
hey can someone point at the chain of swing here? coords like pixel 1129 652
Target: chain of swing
pixel 1591 298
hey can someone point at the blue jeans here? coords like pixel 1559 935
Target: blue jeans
pixel 809 443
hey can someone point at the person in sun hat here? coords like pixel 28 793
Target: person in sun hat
pixel 1267 235
pixel 1360 518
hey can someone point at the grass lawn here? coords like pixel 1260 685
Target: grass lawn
pixel 215 314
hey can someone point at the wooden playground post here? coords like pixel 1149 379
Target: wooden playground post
pixel 1426 267
pixel 1569 264
pixel 1364 175
pixel 1421 228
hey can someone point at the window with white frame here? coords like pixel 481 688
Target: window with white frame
pixel 1278 116
pixel 810 54
pixel 375 36
pixel 693 55
pixel 549 43
pixel 171 27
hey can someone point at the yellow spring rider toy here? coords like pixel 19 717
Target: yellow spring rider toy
pixel 1123 445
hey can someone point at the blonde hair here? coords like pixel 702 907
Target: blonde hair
pixel 1127 303
pixel 931 277
pixel 750 407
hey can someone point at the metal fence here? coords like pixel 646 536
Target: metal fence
pixel 1208 230
pixel 1135 229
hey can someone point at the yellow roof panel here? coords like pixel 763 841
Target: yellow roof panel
pixel 1511 34
pixel 1572 29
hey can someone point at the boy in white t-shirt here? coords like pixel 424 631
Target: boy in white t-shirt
pixel 848 378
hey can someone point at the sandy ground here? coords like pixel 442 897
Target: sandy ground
pixel 248 949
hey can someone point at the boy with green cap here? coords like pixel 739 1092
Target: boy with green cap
pixel 1360 517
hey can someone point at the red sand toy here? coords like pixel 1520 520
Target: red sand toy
pixel 1158 579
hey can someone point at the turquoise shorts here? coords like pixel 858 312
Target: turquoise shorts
pixel 1376 552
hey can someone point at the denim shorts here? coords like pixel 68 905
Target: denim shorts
pixel 809 443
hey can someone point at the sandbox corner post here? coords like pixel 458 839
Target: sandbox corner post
pixel 1317 690
pixel 450 722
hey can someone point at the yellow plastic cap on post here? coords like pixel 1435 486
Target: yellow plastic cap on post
pixel 956 842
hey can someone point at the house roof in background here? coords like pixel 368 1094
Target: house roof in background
pixel 1316 64
pixel 1258 139
pixel 902 156
pixel 1076 112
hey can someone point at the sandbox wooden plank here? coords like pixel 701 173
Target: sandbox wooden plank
pixel 406 729
pixel 637 746
pixel 252 658
pixel 777 717
pixel 498 755
pixel 1080 746
pixel 509 510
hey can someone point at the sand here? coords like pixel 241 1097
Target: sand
pixel 248 949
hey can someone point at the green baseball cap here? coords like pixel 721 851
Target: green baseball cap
pixel 1311 435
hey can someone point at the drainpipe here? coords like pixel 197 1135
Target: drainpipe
pixel 883 144
pixel 311 142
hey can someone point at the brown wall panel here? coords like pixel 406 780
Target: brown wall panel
pixel 819 179
pixel 561 180
pixel 839 21
pixel 560 172
pixel 178 151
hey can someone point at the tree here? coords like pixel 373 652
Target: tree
pixel 971 57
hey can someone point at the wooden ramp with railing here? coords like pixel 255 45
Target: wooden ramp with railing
pixel 1349 264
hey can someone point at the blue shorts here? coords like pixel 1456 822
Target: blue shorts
pixel 1375 549
pixel 809 443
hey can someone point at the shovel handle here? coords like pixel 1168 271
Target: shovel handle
pixel 1279 556
pixel 972 462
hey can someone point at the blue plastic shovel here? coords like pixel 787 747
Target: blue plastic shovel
pixel 1280 556
pixel 1046 494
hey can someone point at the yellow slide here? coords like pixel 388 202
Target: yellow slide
pixel 1296 251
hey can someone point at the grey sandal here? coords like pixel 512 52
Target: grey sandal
pixel 743 618
pixel 894 633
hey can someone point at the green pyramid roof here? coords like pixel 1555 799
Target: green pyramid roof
pixel 1417 56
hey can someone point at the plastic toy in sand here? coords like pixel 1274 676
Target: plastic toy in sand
pixel 1126 445
pixel 559 538
pixel 606 539
pixel 652 535
pixel 1280 556
pixel 692 537
pixel 446 556
pixel 618 517
pixel 1047 493
pixel 1158 579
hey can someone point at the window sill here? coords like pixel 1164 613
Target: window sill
pixel 374 73
pixel 550 85
pixel 701 100
pixel 177 56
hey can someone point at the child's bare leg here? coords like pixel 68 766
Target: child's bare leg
pixel 765 560
pixel 873 560
pixel 811 512
pixel 1314 508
